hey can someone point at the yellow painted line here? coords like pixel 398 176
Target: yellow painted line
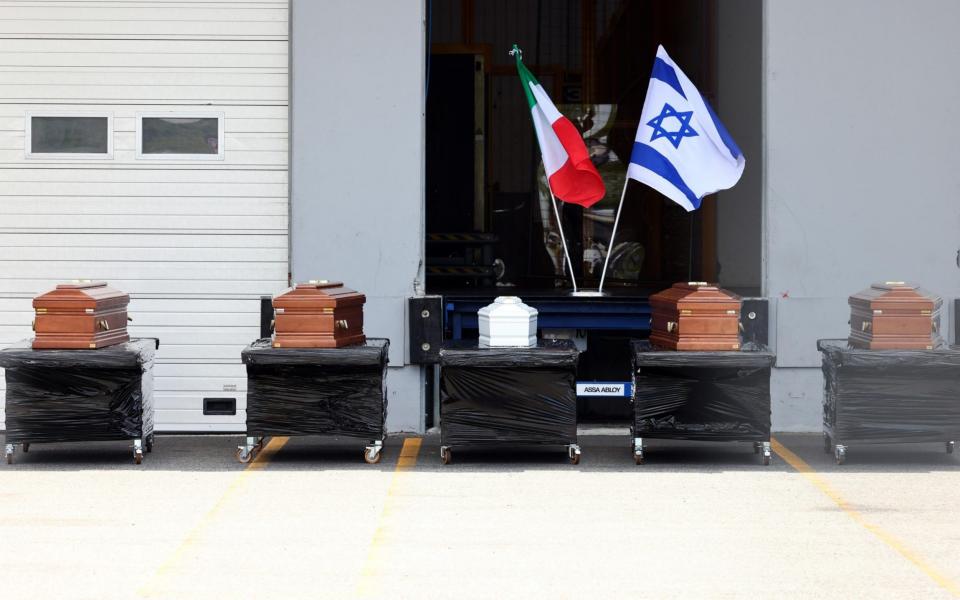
pixel 820 483
pixel 369 583
pixel 408 455
pixel 259 463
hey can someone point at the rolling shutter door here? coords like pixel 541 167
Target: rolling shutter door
pixel 195 242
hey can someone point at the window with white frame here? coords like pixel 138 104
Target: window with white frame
pixel 180 136
pixel 59 135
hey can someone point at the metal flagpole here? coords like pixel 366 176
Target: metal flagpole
pixel 613 235
pixel 563 239
pixel 553 199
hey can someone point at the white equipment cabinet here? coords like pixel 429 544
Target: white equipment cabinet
pixel 195 240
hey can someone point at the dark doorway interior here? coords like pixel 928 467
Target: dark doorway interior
pixel 488 217
pixel 490 228
pixel 450 144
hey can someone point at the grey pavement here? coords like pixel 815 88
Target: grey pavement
pixel 310 519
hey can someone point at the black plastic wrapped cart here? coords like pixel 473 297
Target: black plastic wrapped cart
pixel 79 395
pixel 704 396
pixel 508 396
pixel 889 396
pixel 316 391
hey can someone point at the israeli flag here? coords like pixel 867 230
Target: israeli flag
pixel 682 150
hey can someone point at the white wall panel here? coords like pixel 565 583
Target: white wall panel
pixel 364 230
pixel 860 181
pixel 195 243
pixel 159 54
pixel 158 19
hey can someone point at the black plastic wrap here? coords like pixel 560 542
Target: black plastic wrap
pixel 890 396
pixel 317 391
pixel 547 353
pixel 710 396
pixel 79 395
pixel 508 396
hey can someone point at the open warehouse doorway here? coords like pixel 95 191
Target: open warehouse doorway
pixel 490 228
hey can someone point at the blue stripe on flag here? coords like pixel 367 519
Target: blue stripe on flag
pixel 647 157
pixel 724 134
pixel 666 74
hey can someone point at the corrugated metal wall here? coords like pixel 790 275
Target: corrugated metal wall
pixel 194 242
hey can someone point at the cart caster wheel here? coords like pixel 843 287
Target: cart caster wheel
pixel 827 444
pixel 372 457
pixel 573 452
pixel 259 446
pixel 445 456
pixel 26 447
pixel 950 447
pixel 9 459
pixel 766 460
pixel 138 458
pixel 841 455
pixel 756 448
pixel 638 457
pixel 244 456
pixel 148 444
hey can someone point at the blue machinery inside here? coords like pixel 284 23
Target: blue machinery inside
pixel 559 312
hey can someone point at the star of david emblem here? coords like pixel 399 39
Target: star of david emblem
pixel 675 137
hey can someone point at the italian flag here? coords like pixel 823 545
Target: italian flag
pixel 571 174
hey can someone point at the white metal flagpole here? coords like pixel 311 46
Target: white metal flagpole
pixel 563 239
pixel 613 235
pixel 553 200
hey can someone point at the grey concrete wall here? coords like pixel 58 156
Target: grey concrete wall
pixel 861 182
pixel 357 165
pixel 739 104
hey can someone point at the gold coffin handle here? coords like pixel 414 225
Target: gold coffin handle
pixel 865 326
pixel 672 326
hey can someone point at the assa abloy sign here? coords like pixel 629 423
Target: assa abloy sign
pixel 619 389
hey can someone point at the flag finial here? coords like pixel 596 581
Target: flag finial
pixel 516 52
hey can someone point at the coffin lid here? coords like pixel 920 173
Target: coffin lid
pixel 81 293
pixel 318 293
pixel 508 306
pixel 81 284
pixel 889 294
pixel 695 292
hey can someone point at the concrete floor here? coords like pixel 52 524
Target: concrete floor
pixel 309 519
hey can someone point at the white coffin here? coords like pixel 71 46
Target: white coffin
pixel 507 323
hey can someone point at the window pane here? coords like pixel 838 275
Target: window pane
pixel 68 135
pixel 170 135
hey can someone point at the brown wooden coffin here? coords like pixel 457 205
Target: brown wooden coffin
pixel 894 316
pixel 695 316
pixel 81 315
pixel 318 314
